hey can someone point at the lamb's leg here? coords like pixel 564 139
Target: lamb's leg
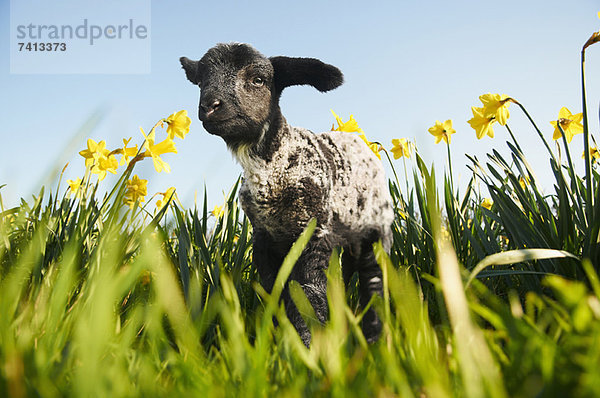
pixel 265 258
pixel 370 283
pixel 267 261
pixel 310 273
pixel 348 266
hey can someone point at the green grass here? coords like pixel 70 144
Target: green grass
pixel 100 300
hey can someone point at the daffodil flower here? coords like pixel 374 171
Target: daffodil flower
pixel 594 154
pixel 74 185
pixel 442 131
pixel 166 196
pixel 481 124
pixel 487 203
pixel 523 182
pixel 136 191
pixel 401 147
pixel 127 152
pixel 351 126
pixel 402 214
pixel 93 151
pixel 594 38
pixel 495 105
pixel 571 124
pixel 372 146
pixel 155 150
pixel 104 164
pixel 99 159
pixel 217 211
pixel 178 124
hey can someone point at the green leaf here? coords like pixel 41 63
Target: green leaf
pixel 517 256
pixel 291 258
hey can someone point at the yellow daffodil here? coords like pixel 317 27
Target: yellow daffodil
pixel 155 150
pixel 442 131
pixel 594 38
pixel 136 191
pixel 74 185
pixel 402 214
pixel 351 126
pixel 127 152
pixel 104 164
pixel 571 124
pixel 217 211
pixel 178 124
pixel 482 124
pixel 372 146
pixel 99 159
pixel 93 151
pixel 401 147
pixel 523 182
pixel 594 154
pixel 495 105
pixel 166 196
pixel 487 203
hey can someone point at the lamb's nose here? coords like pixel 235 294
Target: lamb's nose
pixel 210 106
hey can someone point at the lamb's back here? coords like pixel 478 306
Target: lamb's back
pixel 331 176
pixel 359 198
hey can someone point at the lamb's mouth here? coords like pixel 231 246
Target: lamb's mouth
pixel 217 127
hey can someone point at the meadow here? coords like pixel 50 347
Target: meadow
pixel 489 291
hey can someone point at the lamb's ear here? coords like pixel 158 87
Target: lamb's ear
pixel 191 69
pixel 297 71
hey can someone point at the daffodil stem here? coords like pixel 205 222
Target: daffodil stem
pixel 406 177
pixel 537 130
pixel 393 168
pixel 395 176
pixel 450 168
pixel 589 208
pixel 571 168
pixel 513 138
pixel 58 186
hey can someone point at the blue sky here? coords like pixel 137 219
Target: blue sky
pixel 406 65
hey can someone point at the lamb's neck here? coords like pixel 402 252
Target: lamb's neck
pixel 258 155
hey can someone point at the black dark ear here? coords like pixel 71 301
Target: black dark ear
pixel 191 69
pixel 297 71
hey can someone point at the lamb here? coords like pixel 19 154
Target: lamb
pixel 292 175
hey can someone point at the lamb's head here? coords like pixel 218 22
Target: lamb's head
pixel 240 88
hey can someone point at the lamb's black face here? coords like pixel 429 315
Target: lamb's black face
pixel 235 84
pixel 240 88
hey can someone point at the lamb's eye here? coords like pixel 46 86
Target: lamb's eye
pixel 258 82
